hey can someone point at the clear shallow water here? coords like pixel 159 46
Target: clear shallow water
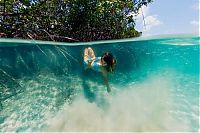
pixel 155 87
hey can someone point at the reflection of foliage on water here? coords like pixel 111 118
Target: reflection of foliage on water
pixel 8 86
pixel 17 63
pixel 28 60
pixel 69 20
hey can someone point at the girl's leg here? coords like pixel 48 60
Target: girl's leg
pixel 91 53
pixel 85 55
pixel 89 56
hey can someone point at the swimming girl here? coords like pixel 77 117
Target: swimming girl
pixel 103 64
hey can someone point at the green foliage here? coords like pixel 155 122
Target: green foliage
pixel 83 20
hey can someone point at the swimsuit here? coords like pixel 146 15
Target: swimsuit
pixel 95 64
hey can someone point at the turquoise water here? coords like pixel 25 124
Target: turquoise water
pixel 43 86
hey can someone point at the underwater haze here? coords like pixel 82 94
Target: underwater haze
pixel 155 86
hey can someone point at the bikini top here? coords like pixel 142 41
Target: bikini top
pixel 96 64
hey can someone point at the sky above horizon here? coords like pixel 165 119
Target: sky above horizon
pixel 163 17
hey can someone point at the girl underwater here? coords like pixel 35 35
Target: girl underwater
pixel 104 64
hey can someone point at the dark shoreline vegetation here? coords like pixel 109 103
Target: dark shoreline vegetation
pixel 69 20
